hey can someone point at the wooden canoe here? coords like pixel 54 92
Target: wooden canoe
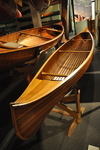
pixel 54 79
pixel 22 46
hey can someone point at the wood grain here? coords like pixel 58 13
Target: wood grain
pixel 51 83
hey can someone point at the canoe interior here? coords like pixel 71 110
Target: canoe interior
pixel 68 58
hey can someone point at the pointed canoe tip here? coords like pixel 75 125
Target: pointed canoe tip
pixel 14 103
pixel 86 29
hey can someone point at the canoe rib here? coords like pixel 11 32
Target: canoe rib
pixel 71 51
pixel 51 83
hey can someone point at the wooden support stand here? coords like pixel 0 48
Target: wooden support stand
pixel 70 112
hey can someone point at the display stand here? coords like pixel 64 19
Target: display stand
pixel 76 114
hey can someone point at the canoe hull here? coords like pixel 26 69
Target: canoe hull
pixel 10 58
pixel 28 115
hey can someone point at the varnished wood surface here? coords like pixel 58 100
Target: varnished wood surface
pixel 58 74
pixel 33 42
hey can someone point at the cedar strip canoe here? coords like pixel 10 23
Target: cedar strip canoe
pixel 54 79
pixel 22 46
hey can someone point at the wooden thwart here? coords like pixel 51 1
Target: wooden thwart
pixel 76 114
pixel 53 74
pixel 55 30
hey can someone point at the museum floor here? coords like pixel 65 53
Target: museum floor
pixel 53 132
